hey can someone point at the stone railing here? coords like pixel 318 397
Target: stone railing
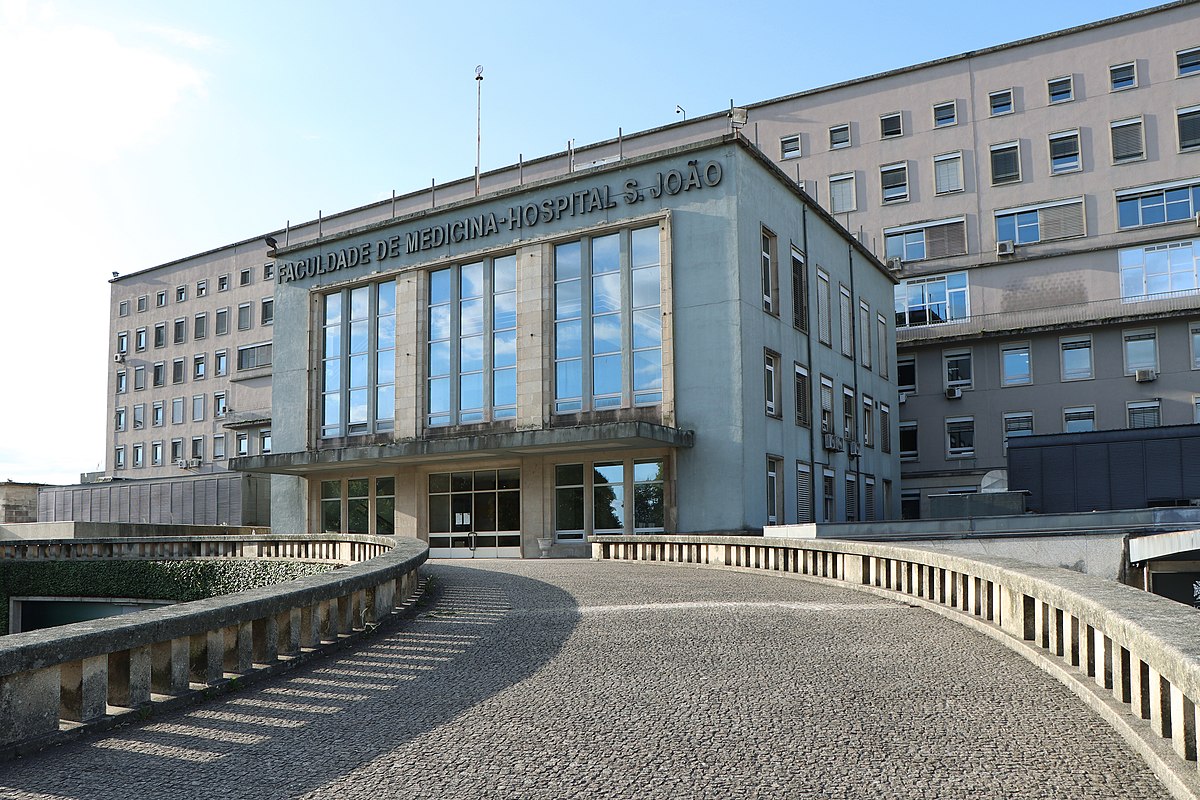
pixel 1131 655
pixel 55 681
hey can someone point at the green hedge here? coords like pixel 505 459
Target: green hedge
pixel 144 580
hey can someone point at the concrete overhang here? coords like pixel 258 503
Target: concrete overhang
pixel 1162 545
pixel 543 441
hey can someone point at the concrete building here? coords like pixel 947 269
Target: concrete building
pixel 681 341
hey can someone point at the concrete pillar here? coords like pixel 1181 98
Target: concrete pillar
pixel 1073 637
pixel 327 621
pixel 266 640
pixel 1102 652
pixel 1139 688
pixel 310 631
pixel 206 664
pixel 853 569
pixel 287 632
pixel 1122 674
pixel 1183 724
pixel 29 704
pixel 1055 621
pixel 169 665
pixel 84 689
pixel 345 614
pixel 129 677
pixel 1160 704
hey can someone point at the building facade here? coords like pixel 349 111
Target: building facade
pixel 679 342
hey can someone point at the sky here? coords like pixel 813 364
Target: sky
pixel 137 132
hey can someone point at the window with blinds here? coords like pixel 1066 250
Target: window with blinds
pixel 947 173
pixel 1143 414
pixel 803 397
pixel 1128 140
pixel 935 239
pixel 851 499
pixel 894 179
pixel 826 405
pixel 799 293
pixel 1188 120
pixel 804 492
pixel 1064 152
pixel 868 498
pixel 824 315
pixel 1006 162
pixel 841 193
pixel 885 428
pixel 1032 224
pixel 846 318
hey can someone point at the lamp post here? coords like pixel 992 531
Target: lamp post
pixel 478 117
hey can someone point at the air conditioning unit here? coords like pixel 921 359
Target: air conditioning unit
pixel 119 358
pixel 195 462
pixel 855 450
pixel 953 393
pixel 1144 375
pixel 903 397
pixel 1006 247
pixel 179 462
pixel 894 263
pixel 832 443
pixel 1198 219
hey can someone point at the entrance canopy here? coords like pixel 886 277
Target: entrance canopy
pixel 544 441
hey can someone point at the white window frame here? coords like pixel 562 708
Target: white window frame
pixel 1078 410
pixel 1142 405
pixel 900 362
pixel 956 157
pixel 1180 112
pixel 1015 144
pixel 1016 379
pixel 772 389
pixel 1138 334
pixel 774 498
pixel 897 166
pixel 845 177
pixel 845 126
pixel 1194 68
pixel 1064 344
pixel 899 116
pixel 1194 339
pixel 960 452
pixel 908 455
pixel 958 383
pixel 1070 79
pixel 1015 415
pixel 789 147
pixel 1112 87
pixel 770 271
pixel 1077 166
pixel 954 119
pixel 997 95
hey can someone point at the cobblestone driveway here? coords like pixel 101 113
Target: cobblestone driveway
pixel 573 679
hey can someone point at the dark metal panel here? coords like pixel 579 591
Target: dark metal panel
pixel 1163 481
pixel 1092 478
pixel 1058 493
pixel 1189 454
pixel 1127 470
pixel 1025 474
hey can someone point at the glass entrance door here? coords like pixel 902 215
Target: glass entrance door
pixel 475 514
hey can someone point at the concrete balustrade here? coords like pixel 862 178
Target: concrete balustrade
pixel 86 674
pixel 1132 656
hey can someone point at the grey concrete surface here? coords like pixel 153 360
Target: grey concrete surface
pixel 573 679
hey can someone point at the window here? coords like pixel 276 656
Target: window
pixel 156 414
pixel 198 367
pixel 179 335
pixel 608 497
pixel 242 442
pixel 846 318
pixel 935 239
pixel 1122 76
pixel 139 340
pixel 1064 152
pixel 1159 268
pixel 160 299
pixel 176 450
pixel 123 342
pixel 223 283
pixel 264 441
pixel 851 497
pixel 143 303
pixel 123 308
pixel 841 193
pixel 200 326
pixel 799 293
pixel 804 492
pixel 156 454
pixel 1141 350
pixel 254 356
pixel 891 125
pixel 198 408
pixel 839 137
pixel 960 437
pixel 222 323
pixel 894 180
pixel 947 173
pixel 177 411
pixel 908 441
pixel 827 498
pixel 1143 414
pixel 245 277
pixel 1015 366
pixel 957 365
pixel 201 288
pixel 119 457
pixel 803 390
pixel 927 301
pixel 268 271
pixel 881 342
pixel 245 316
pixel 885 428
pixel 771 394
pixel 180 294
pixel 138 457
pixel 864 334
pixel 1006 162
pixel 119 420
pixel 1187 62
pixel 593 368
pixel 221 363
pixel 826 405
pixel 267 311
pixel 868 421
pixel 177 374
pixel 1017 424
pixel 774 496
pixel 789 146
pixel 770 273
pixel 139 378
pixel 945 114
pixel 824 311
pixel 906 374
pixel 120 381
pixel 1076 354
pixel 869 498
pixel 218 447
pixel 1061 90
pixel 358 384
pixel 160 334
pixel 910 503
pixel 1194 335
pixel 1063 219
pixel 1000 102
pixel 1188 122
pixel 849 415
pixel 197 448
pixel 220 408
pixel 1128 141
pixel 139 416
pixel 1079 419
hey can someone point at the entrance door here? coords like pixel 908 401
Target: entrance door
pixel 475 514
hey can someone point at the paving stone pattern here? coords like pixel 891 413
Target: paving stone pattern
pixel 574 679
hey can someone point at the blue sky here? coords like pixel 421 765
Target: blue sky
pixel 139 132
